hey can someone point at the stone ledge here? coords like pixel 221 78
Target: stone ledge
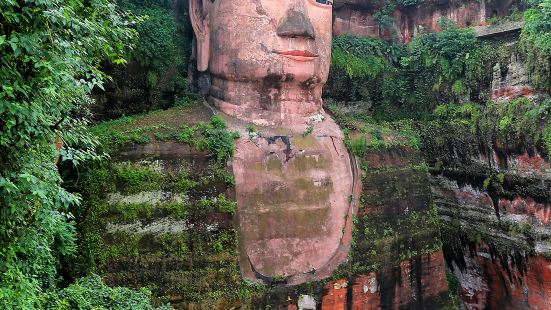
pixel 494 30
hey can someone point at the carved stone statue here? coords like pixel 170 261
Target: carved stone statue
pixel 295 181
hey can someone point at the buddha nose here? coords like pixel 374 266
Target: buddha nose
pixel 296 24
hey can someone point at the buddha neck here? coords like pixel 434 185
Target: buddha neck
pixel 270 102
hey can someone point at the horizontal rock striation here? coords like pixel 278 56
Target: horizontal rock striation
pixel 493 198
pixel 358 16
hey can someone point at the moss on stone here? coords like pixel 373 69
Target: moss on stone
pixel 303 142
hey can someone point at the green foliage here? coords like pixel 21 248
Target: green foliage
pixel 383 17
pixel 354 66
pixel 359 66
pixel 91 293
pixel 515 119
pixel 547 137
pixel 129 212
pixel 50 52
pixel 447 66
pixel 218 204
pixel 135 178
pixel 497 125
pixel 440 66
pixel 183 183
pixel 373 134
pixel 212 137
pixel 408 2
pixel 536 43
pixel 156 46
pixel 364 47
pixel 308 131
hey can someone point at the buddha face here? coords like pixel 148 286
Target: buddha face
pixel 251 40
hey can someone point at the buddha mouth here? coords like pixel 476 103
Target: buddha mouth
pixel 298 55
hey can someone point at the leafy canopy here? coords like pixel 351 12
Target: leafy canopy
pixel 536 43
pixel 50 54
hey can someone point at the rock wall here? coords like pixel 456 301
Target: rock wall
pixel 396 261
pixel 357 16
pixel 510 80
pixel 159 214
pixel 293 193
pixel 417 283
pixel 493 199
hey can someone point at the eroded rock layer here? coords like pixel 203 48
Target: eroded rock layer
pixel 493 198
pixel 396 261
pixel 358 17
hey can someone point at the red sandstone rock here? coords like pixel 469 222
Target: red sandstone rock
pixel 527 206
pixel 532 164
pixel 538 281
pixel 512 92
pixel 335 296
pixel 486 283
pixel 293 204
pixel 365 293
pixel 356 16
pixel 268 59
pixel 397 286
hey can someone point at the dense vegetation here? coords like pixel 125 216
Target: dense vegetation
pixel 442 67
pixel 156 74
pixel 536 43
pixel 446 71
pixel 50 62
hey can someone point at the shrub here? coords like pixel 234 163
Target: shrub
pixel 91 293
pixel 536 43
pixel 50 55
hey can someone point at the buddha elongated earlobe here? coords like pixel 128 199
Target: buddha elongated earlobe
pixel 198 11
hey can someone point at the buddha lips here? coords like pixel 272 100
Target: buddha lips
pixel 298 55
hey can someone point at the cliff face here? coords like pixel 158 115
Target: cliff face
pixel 493 198
pixel 159 212
pixel 396 261
pixel 358 16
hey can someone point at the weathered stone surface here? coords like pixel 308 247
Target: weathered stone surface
pixel 538 211
pixel 396 235
pixel 496 228
pixel 357 16
pixel 511 80
pixel 293 202
pixel 268 59
pixel 417 283
pixel 496 30
pixel 490 281
pixel 306 302
pixel 335 296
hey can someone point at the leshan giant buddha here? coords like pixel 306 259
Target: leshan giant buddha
pixel 295 180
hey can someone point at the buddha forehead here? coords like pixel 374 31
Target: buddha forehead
pixel 268 8
pixel 255 6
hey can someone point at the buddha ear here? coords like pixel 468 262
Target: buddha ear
pixel 198 12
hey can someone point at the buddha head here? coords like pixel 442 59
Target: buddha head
pixel 268 59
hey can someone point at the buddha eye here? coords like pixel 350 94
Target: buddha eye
pixel 326 2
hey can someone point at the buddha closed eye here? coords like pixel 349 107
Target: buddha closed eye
pixel 327 2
